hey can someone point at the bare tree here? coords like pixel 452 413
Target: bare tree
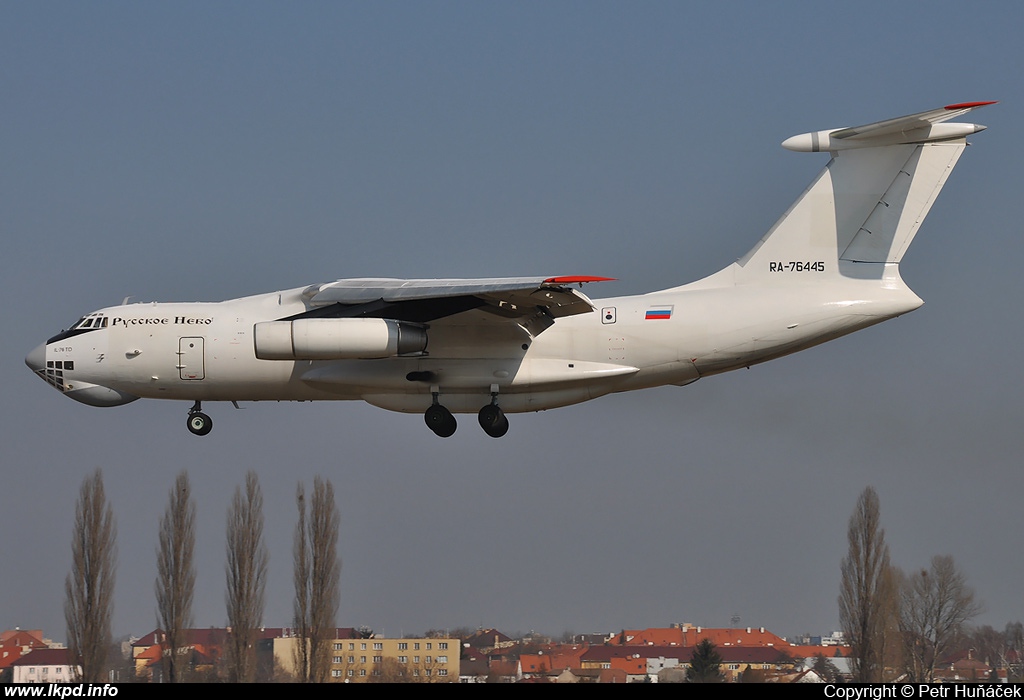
pixel 989 646
pixel 1014 634
pixel 935 604
pixel 89 588
pixel 301 579
pixel 176 574
pixel 246 578
pixel 389 670
pixel 317 573
pixel 867 593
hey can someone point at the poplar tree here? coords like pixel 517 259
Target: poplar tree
pixel 867 594
pixel 246 572
pixel 89 588
pixel 317 573
pixel 176 575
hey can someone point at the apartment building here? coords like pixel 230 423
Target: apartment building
pixel 379 659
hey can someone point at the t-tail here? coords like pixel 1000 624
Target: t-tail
pixel 859 216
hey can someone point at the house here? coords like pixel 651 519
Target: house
pixel 490 640
pixel 687 635
pixel 15 644
pixel 45 666
pixel 204 648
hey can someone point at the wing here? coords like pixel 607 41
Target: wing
pixel 532 302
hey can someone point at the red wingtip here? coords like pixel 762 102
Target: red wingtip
pixel 969 105
pixel 577 279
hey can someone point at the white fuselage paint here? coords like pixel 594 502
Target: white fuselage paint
pixel 828 267
pixel 205 351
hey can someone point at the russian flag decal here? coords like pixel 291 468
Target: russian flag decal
pixel 658 312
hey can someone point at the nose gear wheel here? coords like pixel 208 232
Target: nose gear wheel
pixel 198 422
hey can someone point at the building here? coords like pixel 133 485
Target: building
pixel 15 644
pixel 45 666
pixel 379 659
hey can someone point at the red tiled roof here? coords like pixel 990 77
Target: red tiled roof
pixel 691 636
pixel 218 635
pixel 45 657
pixel 535 663
pixel 731 654
pixel 17 643
pixel 810 651
pixel 8 634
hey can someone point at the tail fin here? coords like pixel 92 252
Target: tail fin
pixel 861 213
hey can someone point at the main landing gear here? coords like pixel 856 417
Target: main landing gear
pixel 492 419
pixel 198 422
pixel 440 419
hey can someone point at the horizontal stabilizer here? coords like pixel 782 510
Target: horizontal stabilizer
pixel 923 127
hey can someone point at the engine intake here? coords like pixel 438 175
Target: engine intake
pixel 338 339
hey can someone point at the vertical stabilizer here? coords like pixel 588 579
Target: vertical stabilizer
pixel 859 216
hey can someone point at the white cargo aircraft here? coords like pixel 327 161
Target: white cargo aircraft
pixel 828 267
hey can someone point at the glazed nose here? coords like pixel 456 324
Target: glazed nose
pixel 36 360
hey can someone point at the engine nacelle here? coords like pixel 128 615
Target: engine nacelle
pixel 338 339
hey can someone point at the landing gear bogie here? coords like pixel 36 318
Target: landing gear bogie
pixel 440 420
pixel 492 419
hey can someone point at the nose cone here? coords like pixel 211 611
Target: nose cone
pixel 36 360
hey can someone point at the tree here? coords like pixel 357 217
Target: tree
pixel 246 578
pixel 317 573
pixel 753 675
pixel 176 574
pixel 705 664
pixel 935 604
pixel 990 646
pixel 867 593
pixel 1015 642
pixel 89 588
pixel 825 669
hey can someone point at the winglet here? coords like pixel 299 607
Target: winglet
pixel 970 105
pixel 577 279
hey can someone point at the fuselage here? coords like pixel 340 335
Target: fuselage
pixel 829 266
pixel 206 351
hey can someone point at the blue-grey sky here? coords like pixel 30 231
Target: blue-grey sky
pixel 203 151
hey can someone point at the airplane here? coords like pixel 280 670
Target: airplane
pixel 828 267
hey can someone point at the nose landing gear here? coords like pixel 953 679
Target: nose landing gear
pixel 198 422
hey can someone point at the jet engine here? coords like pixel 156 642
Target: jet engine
pixel 338 339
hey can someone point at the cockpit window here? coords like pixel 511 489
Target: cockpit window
pixel 91 321
pixel 85 324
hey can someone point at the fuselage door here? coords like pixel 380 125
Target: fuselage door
pixel 190 358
